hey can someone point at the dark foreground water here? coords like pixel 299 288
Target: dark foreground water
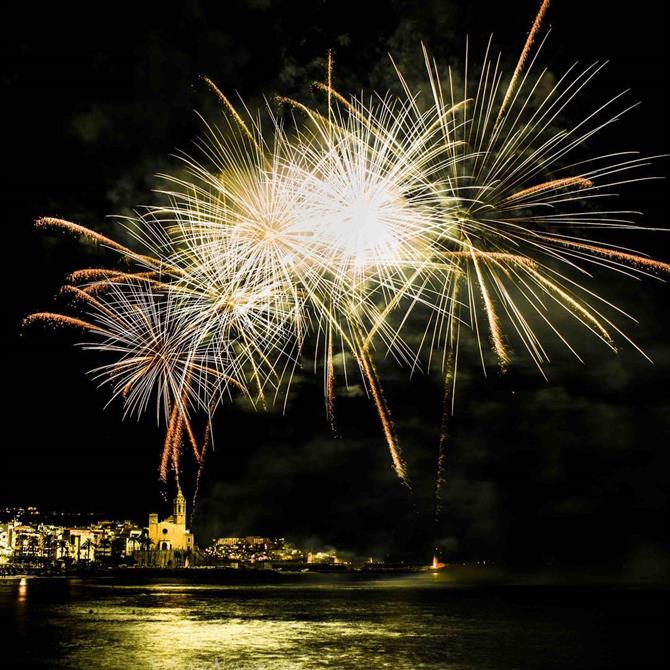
pixel 329 621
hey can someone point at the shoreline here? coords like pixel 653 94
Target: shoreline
pixel 451 576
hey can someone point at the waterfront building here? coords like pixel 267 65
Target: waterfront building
pixel 324 557
pixel 251 549
pixel 254 549
pixel 25 541
pixel 171 534
pixel 29 537
pixel 82 544
pixel 6 550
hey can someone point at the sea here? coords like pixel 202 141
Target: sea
pixel 342 621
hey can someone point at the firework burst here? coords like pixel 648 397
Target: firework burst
pixel 339 229
pixel 527 196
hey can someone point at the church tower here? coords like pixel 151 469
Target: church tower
pixel 170 535
pixel 179 509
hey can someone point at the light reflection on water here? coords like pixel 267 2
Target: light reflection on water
pixel 313 622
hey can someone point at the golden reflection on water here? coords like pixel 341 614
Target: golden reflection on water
pixel 307 623
pixel 172 626
pixel 22 591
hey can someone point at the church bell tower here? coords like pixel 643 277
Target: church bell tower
pixel 179 510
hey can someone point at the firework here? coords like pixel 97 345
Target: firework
pixel 332 234
pixel 313 236
pixel 526 198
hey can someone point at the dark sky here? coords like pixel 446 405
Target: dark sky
pixel 96 98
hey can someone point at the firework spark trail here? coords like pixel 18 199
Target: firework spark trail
pixel 98 280
pixel 447 409
pixel 201 461
pixel 91 275
pixel 178 422
pixel 372 378
pixel 330 379
pixel 552 185
pixel 102 285
pixel 525 52
pixel 167 456
pixel 84 298
pixel 61 320
pixel 91 235
pixel 492 316
pixel 231 110
pixel 612 254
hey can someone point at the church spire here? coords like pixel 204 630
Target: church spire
pixel 179 509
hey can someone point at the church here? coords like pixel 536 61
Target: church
pixel 171 534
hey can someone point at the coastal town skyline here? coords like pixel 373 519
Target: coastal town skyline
pixel 31 539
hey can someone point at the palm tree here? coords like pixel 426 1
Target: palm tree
pixel 133 542
pixel 145 543
pixel 64 547
pixel 87 545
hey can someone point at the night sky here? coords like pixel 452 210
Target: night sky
pixel 96 100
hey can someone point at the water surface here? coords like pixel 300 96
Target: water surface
pixel 329 621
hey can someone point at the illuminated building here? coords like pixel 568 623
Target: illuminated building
pixel 171 534
pixel 82 543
